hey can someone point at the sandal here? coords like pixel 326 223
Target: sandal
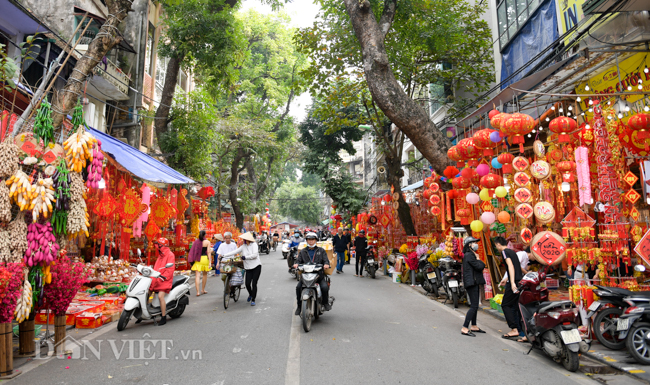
pixel 479 330
pixel 469 333
pixel 509 337
pixel 205 292
pixel 522 339
pixel 198 295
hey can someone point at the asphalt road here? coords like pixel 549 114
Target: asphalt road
pixel 378 332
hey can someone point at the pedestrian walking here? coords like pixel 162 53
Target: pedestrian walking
pixel 252 264
pixel 472 280
pixel 360 244
pixel 348 239
pixel 201 257
pixel 510 301
pixel 217 239
pixel 340 246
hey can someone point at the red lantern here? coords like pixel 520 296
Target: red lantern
pixel 566 166
pixel 563 126
pixel 387 198
pixel 427 181
pixel 491 181
pixel 493 113
pixel 482 141
pixel 464 215
pixel 452 194
pixel 461 183
pixel 454 155
pixel 427 194
pixel 450 172
pixel 469 151
pixel 497 119
pixel 506 160
pixel 468 173
pixel 516 126
pixel 434 200
pixel 641 124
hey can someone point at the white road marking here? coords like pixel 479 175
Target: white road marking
pixel 292 375
pixel 236 350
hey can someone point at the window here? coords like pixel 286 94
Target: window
pixel 161 70
pixel 148 58
pixel 511 17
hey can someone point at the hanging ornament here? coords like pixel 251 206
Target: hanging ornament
pixel 506 160
pixel 540 169
pixel 563 126
pixel 516 126
pixel 455 155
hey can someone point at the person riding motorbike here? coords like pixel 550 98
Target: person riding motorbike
pixel 163 284
pixel 295 241
pixel 316 255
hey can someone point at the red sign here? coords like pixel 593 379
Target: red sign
pixel 643 247
pixel 486 206
pixel 548 246
pixel 524 211
pixel 522 195
pixel 226 217
pixel 526 235
pixel 49 157
pixel 522 179
pixel 607 177
pixel 29 148
pixel 632 196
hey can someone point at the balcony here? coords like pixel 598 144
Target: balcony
pixel 110 81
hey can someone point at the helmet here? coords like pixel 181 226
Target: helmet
pixel 311 236
pixel 162 241
pixel 362 231
pixel 469 240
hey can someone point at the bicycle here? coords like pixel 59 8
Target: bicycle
pixel 229 269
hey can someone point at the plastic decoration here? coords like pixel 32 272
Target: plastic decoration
pixel 563 126
pixel 544 212
pixel 524 211
pixel 132 207
pixel 182 205
pixel 549 247
pixel 516 126
pixel 520 163
pixel 161 211
pixel 455 155
pixel 106 206
pixel 523 195
pixel 151 231
pixel 521 179
pixel 582 170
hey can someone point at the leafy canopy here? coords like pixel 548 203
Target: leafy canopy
pixel 298 202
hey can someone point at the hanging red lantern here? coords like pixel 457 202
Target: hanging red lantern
pixel 566 168
pixel 461 183
pixel 386 198
pixel 641 124
pixel 469 151
pixel 450 172
pixel 464 215
pixel 516 126
pixel 453 194
pixel 434 200
pixel 427 181
pixel 468 173
pixel 454 155
pixel 493 113
pixel 491 181
pixel 483 142
pixel 506 160
pixel 563 126
pixel 427 194
pixel 497 120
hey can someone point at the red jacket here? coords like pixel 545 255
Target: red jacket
pixel 168 272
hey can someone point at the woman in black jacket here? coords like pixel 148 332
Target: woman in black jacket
pixel 472 279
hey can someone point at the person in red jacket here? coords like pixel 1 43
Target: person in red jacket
pixel 159 285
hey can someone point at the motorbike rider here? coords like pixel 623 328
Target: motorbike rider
pixel 163 284
pixel 296 240
pixel 316 255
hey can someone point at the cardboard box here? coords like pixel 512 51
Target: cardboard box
pixel 332 257
pixel 88 320
pixel 109 300
pixel 41 318
pixel 96 306
pixel 72 313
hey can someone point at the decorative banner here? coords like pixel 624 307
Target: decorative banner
pixel 540 169
pixel 523 195
pixel 548 247
pixel 584 179
pixel 643 248
pixel 632 196
pixel 544 212
pixel 578 218
pixel 635 214
pixel 182 205
pixel 161 211
pixel 630 178
pixel 106 206
pixel 132 207
pixel 486 206
pixel 526 235
pixel 520 163
pixel 522 179
pixel 524 211
pixel 151 231
pixel 607 178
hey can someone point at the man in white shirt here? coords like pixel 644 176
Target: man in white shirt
pixel 226 246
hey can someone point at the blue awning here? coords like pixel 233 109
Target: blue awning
pixel 139 163
pixel 414 186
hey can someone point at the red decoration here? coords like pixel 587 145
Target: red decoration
pixel 641 124
pixel 131 207
pixel 643 247
pixel 632 196
pixel 566 166
pixel 151 231
pixel 206 193
pixel 435 210
pixel 516 126
pixel 497 120
pixel 506 160
pixel 493 113
pixel 461 183
pixel 434 187
pixel 161 211
pixel 549 246
pixel 468 173
pixel 491 181
pixel 182 205
pixel 427 181
pixel 434 200
pixel 455 155
pixel 482 141
pixel 607 177
pixel 450 172
pixel 106 206
pixel 526 235
pixel 464 215
pixel 427 194
pixel 469 151
pixel 386 198
pixel 563 126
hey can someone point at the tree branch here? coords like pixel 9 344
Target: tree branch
pixel 387 16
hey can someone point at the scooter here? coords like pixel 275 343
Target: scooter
pixel 285 248
pixel 451 279
pixel 550 326
pixel 138 291
pixel 311 295
pixel 264 245
pixel 431 275
pixel 371 262
pixel 290 261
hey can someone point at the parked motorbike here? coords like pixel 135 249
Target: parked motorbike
pixel 550 325
pixel 293 252
pixel 431 278
pixel 312 308
pixel 138 291
pixel 285 248
pixel 451 279
pixel 264 246
pixel 634 324
pixel 371 262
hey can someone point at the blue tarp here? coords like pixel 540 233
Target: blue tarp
pixel 414 186
pixel 139 163
pixel 538 33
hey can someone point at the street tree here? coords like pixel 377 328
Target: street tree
pixel 398 49
pixel 299 203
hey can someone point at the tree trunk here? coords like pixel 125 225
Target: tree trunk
pixel 107 38
pixel 395 172
pixel 386 91
pixel 167 98
pixel 234 183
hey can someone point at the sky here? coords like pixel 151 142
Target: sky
pixel 302 13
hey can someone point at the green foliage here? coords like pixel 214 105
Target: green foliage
pixel 8 70
pixel 310 180
pixel 439 42
pixel 298 202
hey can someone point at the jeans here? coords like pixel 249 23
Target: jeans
pixel 473 294
pixel 340 260
pixel 510 306
pixel 360 260
pixel 251 278
pixel 324 289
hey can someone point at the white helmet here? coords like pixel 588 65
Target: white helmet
pixel 311 235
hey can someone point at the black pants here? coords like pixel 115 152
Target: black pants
pixel 361 260
pixel 473 294
pixel 324 289
pixel 510 306
pixel 251 277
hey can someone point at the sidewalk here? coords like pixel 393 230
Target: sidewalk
pixel 617 359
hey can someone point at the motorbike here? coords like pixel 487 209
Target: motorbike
pixel 550 325
pixel 311 295
pixel 264 246
pixel 452 280
pixel 293 251
pixel 431 275
pixel 275 242
pixel 285 248
pixel 137 294
pixel 371 263
pixel 634 324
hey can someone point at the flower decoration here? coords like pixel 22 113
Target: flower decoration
pixel 67 278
